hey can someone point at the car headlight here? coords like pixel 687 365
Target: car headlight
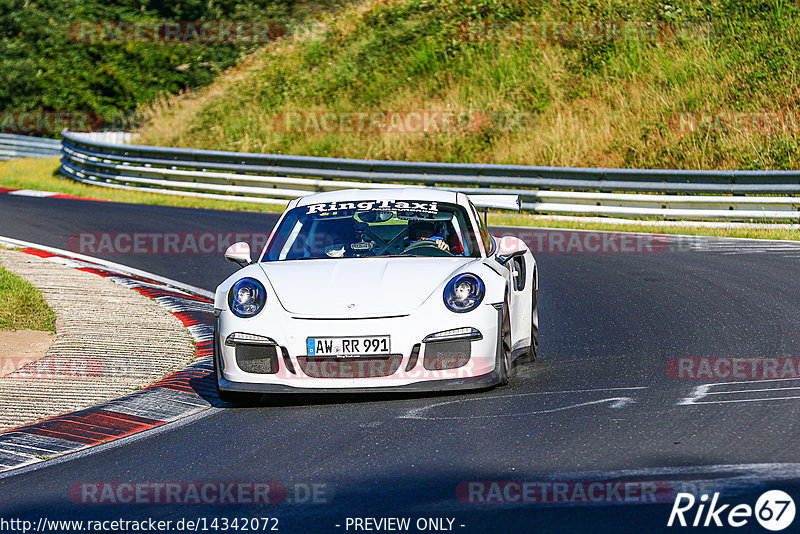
pixel 247 297
pixel 463 293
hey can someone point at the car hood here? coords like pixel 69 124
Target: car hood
pixel 365 287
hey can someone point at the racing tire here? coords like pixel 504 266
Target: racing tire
pixel 504 346
pixel 533 349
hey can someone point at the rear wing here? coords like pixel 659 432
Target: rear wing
pixel 498 202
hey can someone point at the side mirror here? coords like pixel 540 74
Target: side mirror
pixel 508 248
pixel 239 253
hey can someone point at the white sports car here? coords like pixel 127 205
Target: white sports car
pixel 376 290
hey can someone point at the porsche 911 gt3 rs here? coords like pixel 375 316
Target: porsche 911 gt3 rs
pixel 376 290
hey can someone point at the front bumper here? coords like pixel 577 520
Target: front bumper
pixel 447 384
pixel 290 335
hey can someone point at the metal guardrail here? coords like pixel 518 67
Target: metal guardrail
pixel 272 178
pixel 23 146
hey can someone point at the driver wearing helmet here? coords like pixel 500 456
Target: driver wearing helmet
pixel 427 231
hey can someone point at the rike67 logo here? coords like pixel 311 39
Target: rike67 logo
pixel 774 510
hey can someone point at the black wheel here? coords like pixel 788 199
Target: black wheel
pixel 231 397
pixel 504 346
pixel 533 350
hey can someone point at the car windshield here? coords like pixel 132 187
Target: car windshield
pixel 373 228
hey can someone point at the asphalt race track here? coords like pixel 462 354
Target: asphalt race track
pixel 600 404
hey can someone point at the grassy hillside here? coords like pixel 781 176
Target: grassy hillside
pixel 710 84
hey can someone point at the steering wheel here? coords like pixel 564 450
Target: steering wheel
pixel 425 248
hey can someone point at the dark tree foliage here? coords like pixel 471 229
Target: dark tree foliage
pixel 45 67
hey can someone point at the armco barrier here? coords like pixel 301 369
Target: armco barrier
pixel 271 178
pixel 24 146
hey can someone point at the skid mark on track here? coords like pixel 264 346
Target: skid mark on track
pixel 727 246
pixel 423 412
pixel 744 391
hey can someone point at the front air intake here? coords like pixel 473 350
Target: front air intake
pixel 258 359
pixel 350 367
pixel 441 355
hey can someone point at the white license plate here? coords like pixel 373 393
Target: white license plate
pixel 343 347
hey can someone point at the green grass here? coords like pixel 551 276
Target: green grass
pixel 42 175
pixel 22 306
pixel 572 102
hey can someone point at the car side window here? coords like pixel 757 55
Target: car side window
pixel 520 274
pixel 488 242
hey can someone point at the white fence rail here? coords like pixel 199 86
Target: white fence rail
pixel 24 146
pixel 275 179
